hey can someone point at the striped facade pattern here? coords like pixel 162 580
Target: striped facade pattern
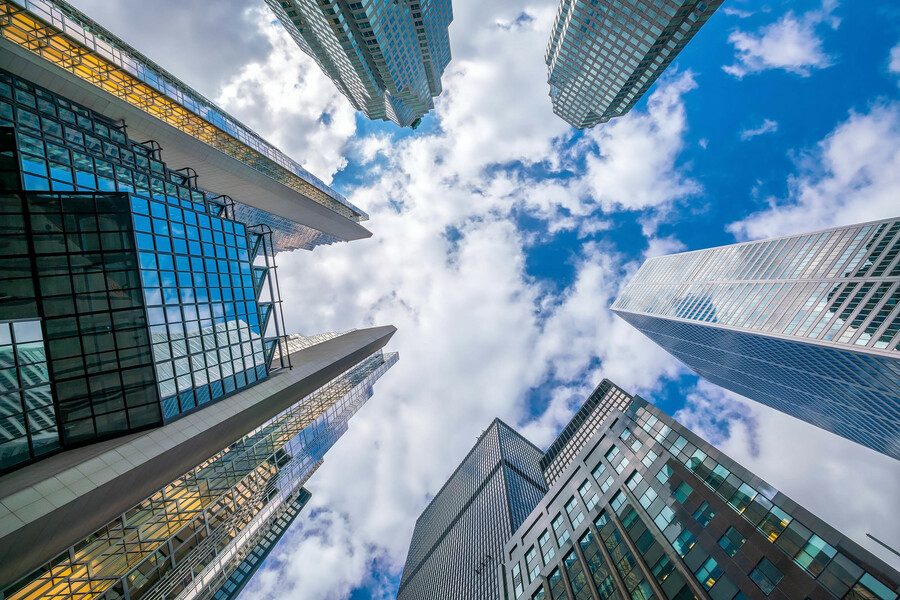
pixel 807 324
pixel 456 546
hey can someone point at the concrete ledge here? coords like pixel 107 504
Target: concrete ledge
pixel 55 503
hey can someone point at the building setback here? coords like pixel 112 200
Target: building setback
pixel 156 423
pixel 806 324
pixel 386 57
pixel 648 510
pixel 457 543
pixel 605 54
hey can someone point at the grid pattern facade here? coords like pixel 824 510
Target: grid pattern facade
pixel 193 533
pixel 148 290
pixel 806 324
pixel 386 57
pixel 458 540
pixel 605 54
pixel 255 557
pixel 67 38
pixel 605 398
pixel 651 511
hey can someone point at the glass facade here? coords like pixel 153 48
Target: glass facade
pixel 67 38
pixel 193 534
pixel 680 521
pixel 604 55
pixel 386 57
pixel 455 548
pixel 807 324
pixel 151 299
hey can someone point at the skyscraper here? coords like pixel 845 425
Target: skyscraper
pixel 387 57
pixel 456 548
pixel 606 397
pixel 806 324
pixel 648 510
pixel 604 55
pixel 156 423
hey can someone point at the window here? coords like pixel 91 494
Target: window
pixel 546 547
pixel 612 453
pixel 815 555
pixel 774 523
pixel 684 543
pixel 517 579
pixel 766 576
pixel 704 514
pixel 539 594
pixel 633 481
pixel 625 435
pixel 682 492
pixel 636 445
pixel 606 484
pixel 622 464
pixel 571 505
pixel 664 473
pixel 708 573
pixel 599 471
pixel 557 587
pixel 732 541
pixel 648 460
pixel 561 536
pixel 533 569
pixel 590 500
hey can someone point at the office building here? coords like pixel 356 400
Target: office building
pixel 386 57
pixel 157 423
pixel 648 510
pixel 806 324
pixel 604 55
pixel 457 545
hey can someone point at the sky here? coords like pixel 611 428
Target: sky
pixel 501 236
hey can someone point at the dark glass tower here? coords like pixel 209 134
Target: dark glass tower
pixel 456 548
pixel 156 423
pixel 648 510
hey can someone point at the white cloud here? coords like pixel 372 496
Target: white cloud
pixel 767 126
pixel 894 64
pixel 791 43
pixel 851 176
pixel 825 473
pixel 736 12
pixel 660 246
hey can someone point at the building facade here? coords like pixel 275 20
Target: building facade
pixel 156 422
pixel 458 540
pixel 605 398
pixel 805 324
pixel 387 57
pixel 648 510
pixel 604 55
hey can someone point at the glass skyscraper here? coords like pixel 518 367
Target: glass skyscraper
pixel 604 55
pixel 806 324
pixel 455 552
pixel 646 510
pixel 156 422
pixel 386 57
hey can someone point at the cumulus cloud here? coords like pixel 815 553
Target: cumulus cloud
pixel 792 43
pixel 779 448
pixel 894 62
pixel 767 126
pixel 851 176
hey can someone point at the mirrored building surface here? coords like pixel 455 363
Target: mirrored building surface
pixel 604 55
pixel 156 422
pixel 385 57
pixel 649 511
pixel 807 324
pixel 457 544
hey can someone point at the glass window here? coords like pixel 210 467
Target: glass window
pixel 704 514
pixel 708 573
pixel 682 492
pixel 766 576
pixel 732 541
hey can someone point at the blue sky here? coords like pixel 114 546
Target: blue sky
pixel 502 235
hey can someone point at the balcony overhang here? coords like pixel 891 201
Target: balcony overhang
pixel 218 171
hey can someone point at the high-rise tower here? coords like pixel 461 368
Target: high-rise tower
pixel 458 541
pixel 806 324
pixel 385 56
pixel 156 423
pixel 604 55
pixel 648 510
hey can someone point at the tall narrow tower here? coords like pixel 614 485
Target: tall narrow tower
pixel 806 324
pixel 386 56
pixel 457 546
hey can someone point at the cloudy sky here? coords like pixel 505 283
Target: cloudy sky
pixel 502 235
